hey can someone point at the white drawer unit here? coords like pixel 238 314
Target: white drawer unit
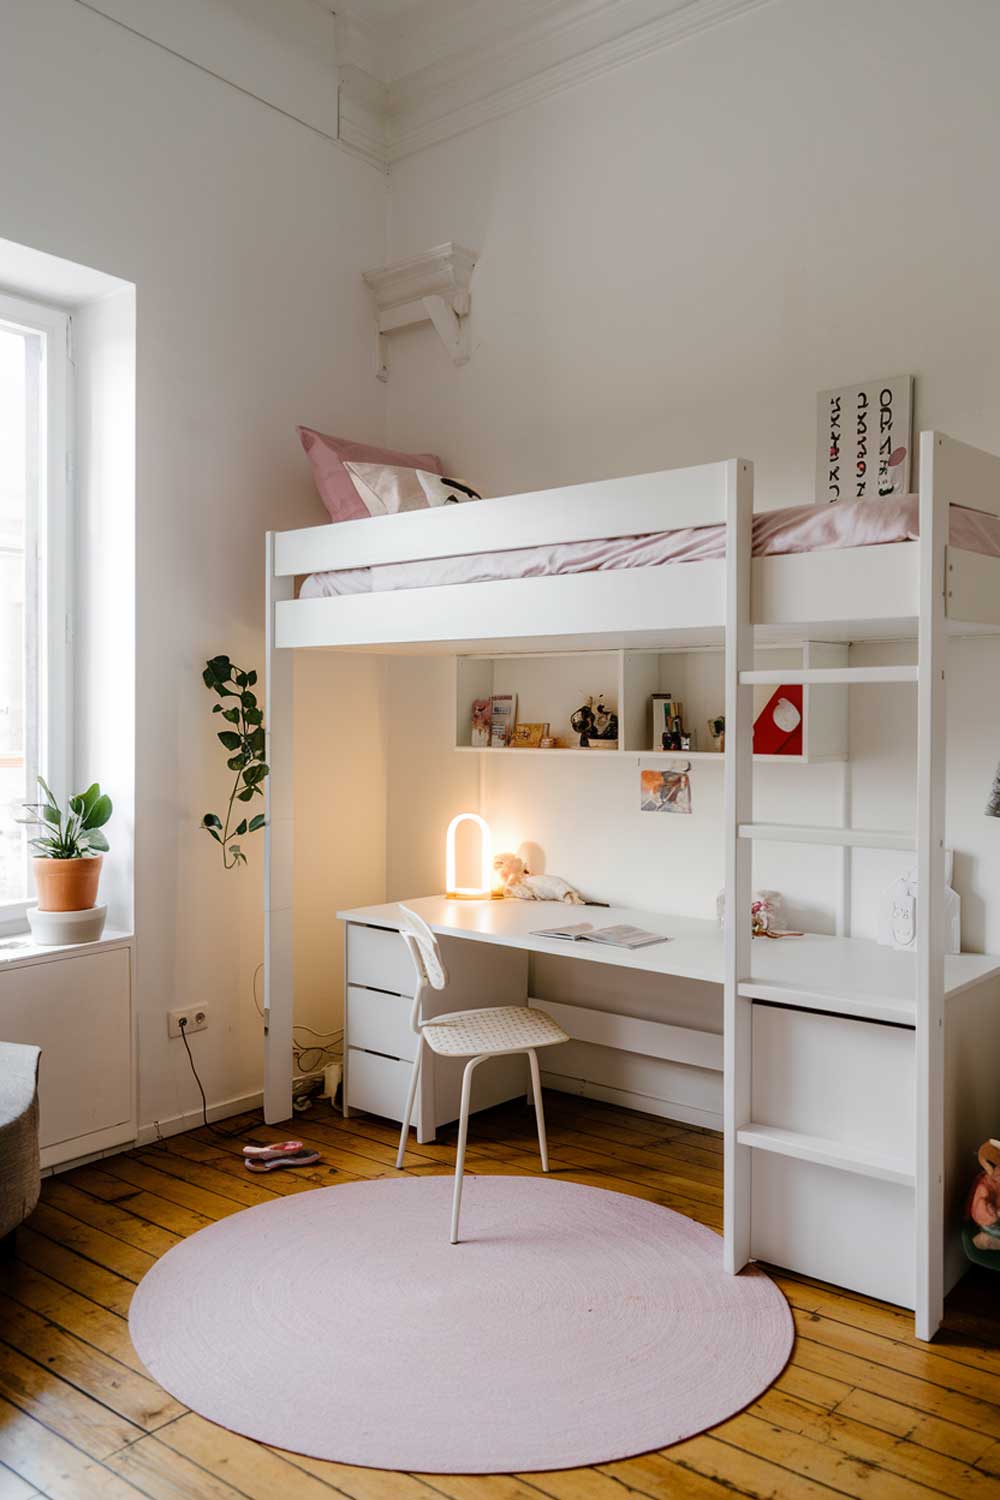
pixel 380 1045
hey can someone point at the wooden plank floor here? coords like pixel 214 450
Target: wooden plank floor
pixel 863 1409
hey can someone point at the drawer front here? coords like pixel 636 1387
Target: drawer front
pixel 845 1080
pixel 380 1022
pixel 379 959
pixel 376 1084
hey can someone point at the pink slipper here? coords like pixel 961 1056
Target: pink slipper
pixel 274 1150
pixel 289 1159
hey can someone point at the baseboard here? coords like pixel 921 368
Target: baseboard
pixel 646 1104
pixel 191 1118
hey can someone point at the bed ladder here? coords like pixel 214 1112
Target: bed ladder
pixel 742 1137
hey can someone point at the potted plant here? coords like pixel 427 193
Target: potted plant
pixel 69 851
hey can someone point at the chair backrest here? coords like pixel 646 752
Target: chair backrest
pixel 426 954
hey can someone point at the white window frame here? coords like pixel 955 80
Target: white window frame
pixel 49 672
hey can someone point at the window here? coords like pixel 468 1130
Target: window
pixel 34 554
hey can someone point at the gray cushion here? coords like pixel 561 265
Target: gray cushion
pixel 20 1177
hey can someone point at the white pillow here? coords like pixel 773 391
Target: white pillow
pixel 386 489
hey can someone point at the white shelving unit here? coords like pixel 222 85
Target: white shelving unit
pixel 550 686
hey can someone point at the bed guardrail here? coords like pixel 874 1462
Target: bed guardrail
pixel 634 506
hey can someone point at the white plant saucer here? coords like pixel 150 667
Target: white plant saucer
pixel 57 928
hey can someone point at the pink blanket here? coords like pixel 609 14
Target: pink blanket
pixel 799 528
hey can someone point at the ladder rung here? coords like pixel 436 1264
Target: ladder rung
pixel 848 838
pixel 825 1153
pixel 820 675
pixel 801 996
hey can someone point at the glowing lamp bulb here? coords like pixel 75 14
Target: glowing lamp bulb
pixel 453 890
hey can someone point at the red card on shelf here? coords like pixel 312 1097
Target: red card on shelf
pixel 777 729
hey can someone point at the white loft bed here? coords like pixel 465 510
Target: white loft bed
pixel 923 588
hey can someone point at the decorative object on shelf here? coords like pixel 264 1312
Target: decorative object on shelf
pixel 766 909
pixel 548 742
pixel 666 791
pixel 596 724
pixel 863 440
pixel 503 715
pixel 993 802
pixel 899 912
pixel 667 715
pixel 777 728
pixel 983 1208
pixel 479 735
pixel 69 853
pixel 518 883
pixel 484 890
pixel 528 736
pixel 689 741
pixel 246 743
pixel 433 287
pixel 717 731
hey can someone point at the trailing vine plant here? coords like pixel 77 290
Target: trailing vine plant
pixel 245 743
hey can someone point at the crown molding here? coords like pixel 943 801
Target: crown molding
pixel 487 61
pixel 573 42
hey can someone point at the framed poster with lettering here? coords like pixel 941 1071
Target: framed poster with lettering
pixel 864 439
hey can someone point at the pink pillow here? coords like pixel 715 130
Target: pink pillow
pixel 336 489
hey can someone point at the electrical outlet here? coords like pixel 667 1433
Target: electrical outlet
pixel 195 1018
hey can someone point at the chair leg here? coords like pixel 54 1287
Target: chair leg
pixel 463 1135
pixel 536 1085
pixel 411 1094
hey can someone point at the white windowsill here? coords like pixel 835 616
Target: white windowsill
pixel 19 948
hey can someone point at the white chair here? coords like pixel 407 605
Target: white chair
pixel 475 1034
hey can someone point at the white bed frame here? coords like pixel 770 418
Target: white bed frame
pixel 923 588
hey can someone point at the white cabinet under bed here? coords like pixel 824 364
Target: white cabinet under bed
pixel 833 1132
pixel 380 1045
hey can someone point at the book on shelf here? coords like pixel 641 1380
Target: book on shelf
pixel 619 935
pixel 503 716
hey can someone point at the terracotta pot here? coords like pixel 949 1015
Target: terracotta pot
pixel 67 884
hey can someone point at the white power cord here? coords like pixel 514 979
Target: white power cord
pixel 309 1058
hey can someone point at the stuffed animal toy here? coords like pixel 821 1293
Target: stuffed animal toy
pixel 984 1198
pixel 521 886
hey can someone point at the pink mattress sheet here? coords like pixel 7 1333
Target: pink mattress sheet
pixel 798 528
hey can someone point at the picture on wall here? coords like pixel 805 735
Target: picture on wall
pixel 664 791
pixel 864 439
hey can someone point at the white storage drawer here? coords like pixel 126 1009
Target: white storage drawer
pixel 377 1084
pixel 380 1022
pixel 843 1080
pixel 379 959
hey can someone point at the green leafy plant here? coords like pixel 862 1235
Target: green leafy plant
pixel 71 834
pixel 245 742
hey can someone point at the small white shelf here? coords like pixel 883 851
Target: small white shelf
pixel 825 1153
pixel 846 838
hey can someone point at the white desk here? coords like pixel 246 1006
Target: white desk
pixel 860 978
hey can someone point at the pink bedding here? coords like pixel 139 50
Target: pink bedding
pixel 799 528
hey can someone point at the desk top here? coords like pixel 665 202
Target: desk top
pixel 852 976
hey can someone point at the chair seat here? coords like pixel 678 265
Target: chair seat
pixel 502 1028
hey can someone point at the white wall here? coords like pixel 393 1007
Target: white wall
pixel 244 233
pixel 675 257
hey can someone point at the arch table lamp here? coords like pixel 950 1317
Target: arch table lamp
pixel 483 891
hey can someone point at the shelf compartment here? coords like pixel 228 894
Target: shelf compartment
pixel 825 1153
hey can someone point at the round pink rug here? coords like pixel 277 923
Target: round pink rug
pixel 571 1326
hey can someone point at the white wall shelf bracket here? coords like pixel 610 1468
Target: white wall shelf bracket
pixel 429 288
